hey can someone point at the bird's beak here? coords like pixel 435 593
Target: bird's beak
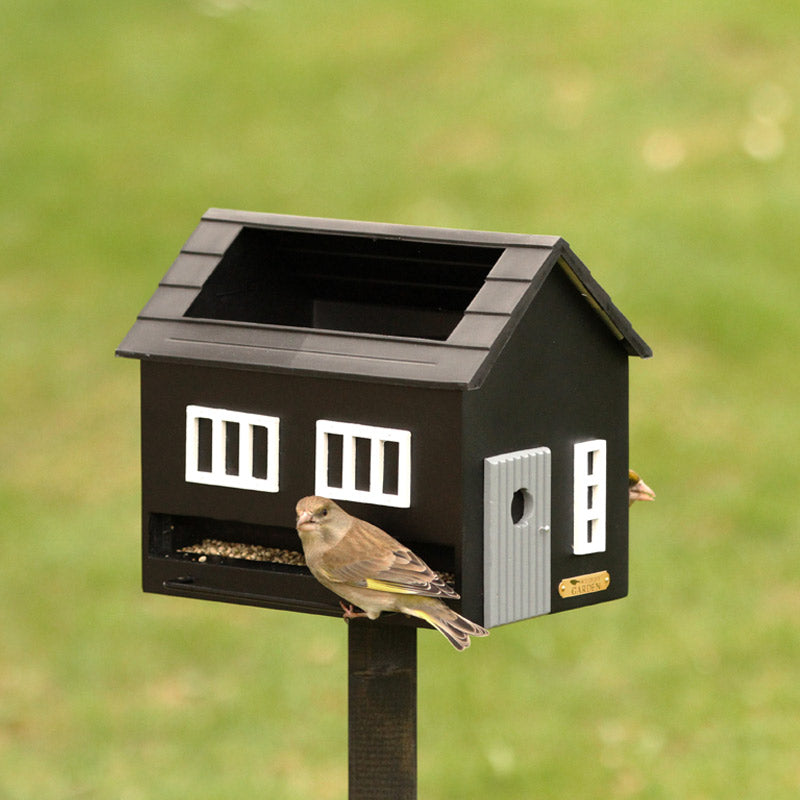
pixel 306 516
pixel 641 491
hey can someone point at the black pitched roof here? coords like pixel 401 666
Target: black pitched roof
pixel 289 291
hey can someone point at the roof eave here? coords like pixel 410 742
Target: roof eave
pixel 599 300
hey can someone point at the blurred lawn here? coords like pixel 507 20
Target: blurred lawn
pixel 662 142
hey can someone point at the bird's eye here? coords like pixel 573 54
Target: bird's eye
pixel 324 512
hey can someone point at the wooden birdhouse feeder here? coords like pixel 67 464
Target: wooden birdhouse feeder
pixel 465 391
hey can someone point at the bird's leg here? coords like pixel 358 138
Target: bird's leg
pixel 350 612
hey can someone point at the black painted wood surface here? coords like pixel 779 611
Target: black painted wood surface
pixel 382 721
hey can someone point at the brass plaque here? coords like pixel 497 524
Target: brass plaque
pixel 584 584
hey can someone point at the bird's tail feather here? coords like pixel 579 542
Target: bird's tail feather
pixel 455 628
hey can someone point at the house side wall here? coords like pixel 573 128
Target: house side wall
pixel 431 416
pixel 561 379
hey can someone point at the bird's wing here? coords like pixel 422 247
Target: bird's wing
pixel 369 558
pixel 409 574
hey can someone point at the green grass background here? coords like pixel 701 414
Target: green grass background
pixel 661 140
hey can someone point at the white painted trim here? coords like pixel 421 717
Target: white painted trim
pixel 247 424
pixel 589 518
pixel 377 437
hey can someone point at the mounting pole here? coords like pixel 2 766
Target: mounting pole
pixel 382 715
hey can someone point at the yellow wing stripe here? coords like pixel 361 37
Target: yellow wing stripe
pixel 388 587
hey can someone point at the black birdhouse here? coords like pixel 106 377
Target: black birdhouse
pixel 465 391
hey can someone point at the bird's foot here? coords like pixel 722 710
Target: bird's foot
pixel 350 612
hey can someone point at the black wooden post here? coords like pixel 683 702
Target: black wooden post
pixel 382 716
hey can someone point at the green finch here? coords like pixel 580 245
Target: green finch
pixel 638 489
pixel 371 570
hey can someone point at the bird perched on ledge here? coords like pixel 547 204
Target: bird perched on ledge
pixel 638 489
pixel 370 569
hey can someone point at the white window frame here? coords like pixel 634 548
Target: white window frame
pixel 218 475
pixel 589 518
pixel 377 437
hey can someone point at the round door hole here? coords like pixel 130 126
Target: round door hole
pixel 521 506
